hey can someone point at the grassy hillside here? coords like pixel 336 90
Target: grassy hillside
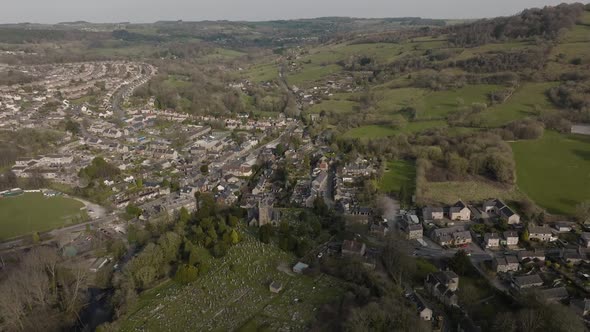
pixel 465 82
pixel 525 101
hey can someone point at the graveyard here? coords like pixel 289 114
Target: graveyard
pixel 235 295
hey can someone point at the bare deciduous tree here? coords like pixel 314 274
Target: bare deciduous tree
pixel 12 306
pixel 73 287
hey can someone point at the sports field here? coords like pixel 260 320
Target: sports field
pixel 554 170
pixel 32 212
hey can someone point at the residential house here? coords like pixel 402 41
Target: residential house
pixel 413 231
pixel 572 256
pixel 527 281
pixel 433 213
pixel 445 240
pixel 353 248
pixel 491 240
pixel 499 208
pixel 57 159
pixel 320 182
pixel 246 169
pixel 451 236
pixel 540 233
pixel 460 212
pixel 563 227
pixel 424 310
pixel 554 294
pixel 461 238
pixel 324 164
pixel 528 256
pixel 443 285
pixel 411 218
pixel 506 264
pixel 379 230
pixel 510 238
pixel 360 167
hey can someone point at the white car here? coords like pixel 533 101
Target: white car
pixel 320 255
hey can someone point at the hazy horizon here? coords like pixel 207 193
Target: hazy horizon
pixel 148 11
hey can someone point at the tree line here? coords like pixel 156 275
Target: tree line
pixel 181 248
pixel 546 23
pixel 43 291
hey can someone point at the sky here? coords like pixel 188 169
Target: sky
pixel 145 11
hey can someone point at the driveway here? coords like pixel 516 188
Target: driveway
pixel 95 211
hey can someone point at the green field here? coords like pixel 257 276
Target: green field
pixel 334 105
pixel 506 46
pixel 576 43
pixel 439 104
pixel 397 174
pixel 580 32
pixel 177 82
pixel 312 73
pixel 520 105
pixel 554 170
pixel 392 100
pixel 32 212
pixel 262 73
pixel 330 54
pixel 452 191
pixel 371 131
pixel 378 131
pixel 221 54
pixel 236 295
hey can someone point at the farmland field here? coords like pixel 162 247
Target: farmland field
pixel 309 74
pixel 237 295
pixel 261 73
pixel 554 170
pixel 520 105
pixel 334 105
pixel 439 104
pixel 452 191
pixel 397 174
pixel 32 212
pixel 576 43
pixel 377 131
pixel 395 99
pixel 371 131
pixel 507 46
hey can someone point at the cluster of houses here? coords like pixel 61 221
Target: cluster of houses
pixel 136 75
pixel 55 86
pixel 460 211
pixel 443 285
pixel 51 166
pixel 206 160
pixel 348 183
pixel 449 226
